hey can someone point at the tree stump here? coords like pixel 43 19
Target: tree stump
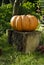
pixel 24 41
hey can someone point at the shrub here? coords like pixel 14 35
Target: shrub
pixel 6 12
pixel 5 15
pixel 28 8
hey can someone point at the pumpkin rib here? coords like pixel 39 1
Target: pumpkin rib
pixel 25 23
pixel 23 16
pixel 33 22
pixel 18 23
pixel 13 19
pixel 29 21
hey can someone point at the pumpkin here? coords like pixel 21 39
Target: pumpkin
pixel 24 22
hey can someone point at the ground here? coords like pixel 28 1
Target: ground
pixel 10 56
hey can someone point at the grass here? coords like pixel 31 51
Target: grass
pixel 12 57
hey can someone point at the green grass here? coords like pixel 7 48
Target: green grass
pixel 12 57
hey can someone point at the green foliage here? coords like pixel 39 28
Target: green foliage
pixel 5 15
pixel 6 12
pixel 28 8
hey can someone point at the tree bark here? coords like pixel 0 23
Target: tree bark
pixel 2 2
pixel 16 6
pixel 11 1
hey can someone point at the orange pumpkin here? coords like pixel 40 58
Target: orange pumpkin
pixel 24 22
